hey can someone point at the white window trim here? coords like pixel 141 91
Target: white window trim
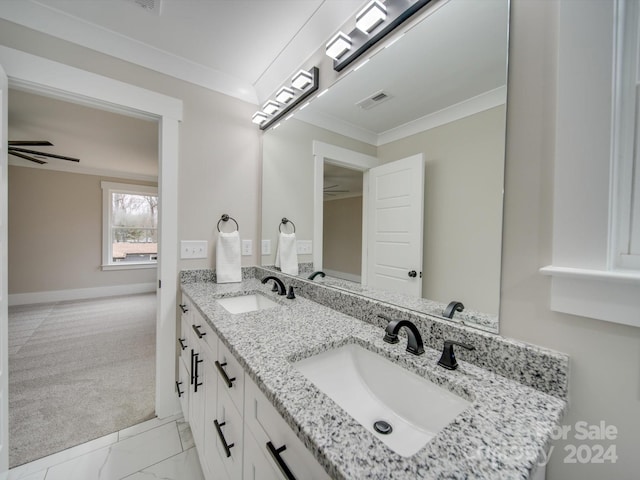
pixel 108 188
pixel 588 199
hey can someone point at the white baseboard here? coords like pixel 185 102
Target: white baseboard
pixel 79 294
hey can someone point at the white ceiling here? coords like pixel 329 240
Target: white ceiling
pixel 244 48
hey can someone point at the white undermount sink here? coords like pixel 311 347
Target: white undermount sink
pixel 371 388
pixel 246 303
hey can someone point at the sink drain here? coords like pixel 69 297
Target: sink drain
pixel 382 427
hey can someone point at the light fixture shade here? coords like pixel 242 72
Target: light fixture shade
pixel 284 95
pixel 339 44
pixel 371 16
pixel 259 118
pixel 271 107
pixel 301 80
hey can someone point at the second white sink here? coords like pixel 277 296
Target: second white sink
pixel 246 303
pixel 371 389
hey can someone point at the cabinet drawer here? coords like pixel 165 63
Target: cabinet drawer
pixel 256 466
pixel 267 426
pixel 229 429
pixel 230 376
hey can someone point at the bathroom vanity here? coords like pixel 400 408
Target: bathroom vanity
pixel 255 414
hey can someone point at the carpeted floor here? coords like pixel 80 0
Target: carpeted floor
pixel 77 371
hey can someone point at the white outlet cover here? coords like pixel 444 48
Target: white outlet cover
pixel 266 247
pixel 247 247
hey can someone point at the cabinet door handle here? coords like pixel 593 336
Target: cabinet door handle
pixel 282 465
pixel 223 373
pixel 182 345
pixel 196 328
pixel 178 389
pixel 196 374
pixel 227 446
pixel 184 308
pixel 193 354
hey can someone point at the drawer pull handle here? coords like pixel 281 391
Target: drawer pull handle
pixel 183 308
pixel 225 377
pixel 227 447
pixel 196 374
pixel 182 345
pixel 178 389
pixel 282 465
pixel 193 354
pixel 196 328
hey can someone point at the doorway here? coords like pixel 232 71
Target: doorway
pixel 342 222
pixel 61 290
pixel 44 76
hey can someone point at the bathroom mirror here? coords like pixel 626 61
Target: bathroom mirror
pixel 438 90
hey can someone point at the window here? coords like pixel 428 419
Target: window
pixel 626 235
pixel 130 226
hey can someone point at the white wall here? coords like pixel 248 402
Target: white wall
pixel 342 235
pixel 604 383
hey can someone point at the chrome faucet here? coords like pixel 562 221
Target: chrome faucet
pixel 277 284
pixel 414 343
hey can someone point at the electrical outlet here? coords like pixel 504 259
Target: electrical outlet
pixel 266 247
pixel 247 247
pixel 193 249
pixel 303 247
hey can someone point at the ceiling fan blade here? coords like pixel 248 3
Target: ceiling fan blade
pixel 26 157
pixel 34 152
pixel 31 143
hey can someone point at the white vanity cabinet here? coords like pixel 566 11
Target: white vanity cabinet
pixel 275 443
pixel 237 432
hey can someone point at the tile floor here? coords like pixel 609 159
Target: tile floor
pixel 151 450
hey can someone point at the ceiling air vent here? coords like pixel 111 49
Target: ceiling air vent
pixel 150 6
pixel 374 100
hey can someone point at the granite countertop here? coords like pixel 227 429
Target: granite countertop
pixel 502 435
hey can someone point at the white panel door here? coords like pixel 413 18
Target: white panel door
pixel 4 342
pixel 395 218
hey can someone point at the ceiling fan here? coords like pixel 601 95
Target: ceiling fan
pixel 329 191
pixel 16 150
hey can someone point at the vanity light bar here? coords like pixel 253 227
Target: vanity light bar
pixel 305 83
pixel 374 22
pixel 339 44
pixel 372 15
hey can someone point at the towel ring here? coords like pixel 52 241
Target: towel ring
pixel 285 220
pixel 226 218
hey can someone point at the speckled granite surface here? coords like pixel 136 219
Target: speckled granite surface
pixel 502 435
pixel 468 317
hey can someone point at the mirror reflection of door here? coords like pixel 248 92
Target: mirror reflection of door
pixel 342 222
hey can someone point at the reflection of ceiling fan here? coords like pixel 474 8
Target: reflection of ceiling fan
pixel 331 192
pixel 14 149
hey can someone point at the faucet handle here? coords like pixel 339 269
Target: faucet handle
pixel 389 336
pixel 291 295
pixel 448 358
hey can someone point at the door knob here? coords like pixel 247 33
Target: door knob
pixel 413 274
